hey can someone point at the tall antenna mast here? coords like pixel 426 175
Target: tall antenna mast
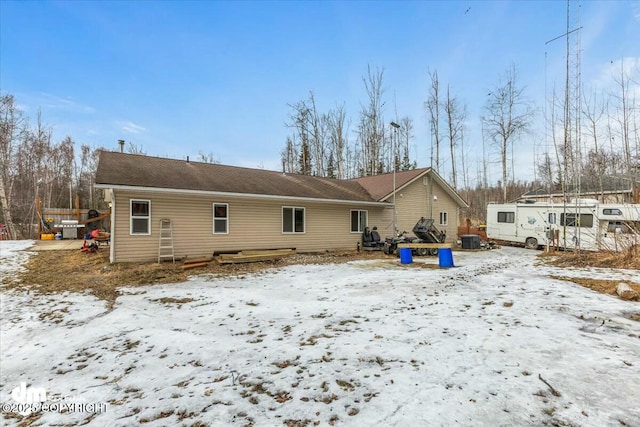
pixel 573 110
pixel 571 150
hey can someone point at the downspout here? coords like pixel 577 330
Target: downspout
pixel 113 226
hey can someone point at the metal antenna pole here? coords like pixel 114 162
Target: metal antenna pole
pixel 395 127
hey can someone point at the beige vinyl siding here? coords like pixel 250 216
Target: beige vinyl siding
pixel 253 224
pixel 413 203
pixel 384 222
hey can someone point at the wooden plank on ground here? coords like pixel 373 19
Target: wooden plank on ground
pixel 216 253
pixel 255 253
pixel 227 256
pixel 194 265
pixel 245 251
pixel 239 258
pixel 197 260
pixel 269 251
pixel 424 245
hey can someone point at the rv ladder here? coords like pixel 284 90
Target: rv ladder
pixel 165 246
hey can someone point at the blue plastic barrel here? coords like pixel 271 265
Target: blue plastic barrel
pixel 405 256
pixel 445 257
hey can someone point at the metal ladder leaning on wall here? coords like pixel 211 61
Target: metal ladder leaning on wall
pixel 165 245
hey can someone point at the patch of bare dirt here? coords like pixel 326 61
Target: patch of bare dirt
pixel 600 285
pixel 628 259
pixel 77 271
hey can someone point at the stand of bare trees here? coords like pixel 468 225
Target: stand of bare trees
pixel 320 145
pixel 32 167
pixel 447 120
pixel 609 140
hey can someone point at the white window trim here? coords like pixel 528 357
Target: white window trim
pixel 213 214
pixel 351 213
pixel 131 217
pixel 446 218
pixel 293 218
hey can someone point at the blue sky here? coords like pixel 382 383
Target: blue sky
pixel 180 78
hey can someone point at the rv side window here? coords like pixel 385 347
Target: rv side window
pixel 625 227
pixel 613 225
pixel 506 217
pixel 573 220
pixel 552 218
pixel 611 212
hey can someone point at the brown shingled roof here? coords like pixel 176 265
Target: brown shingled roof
pixel 381 186
pixel 120 169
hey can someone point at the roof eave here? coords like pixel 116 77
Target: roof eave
pixel 243 195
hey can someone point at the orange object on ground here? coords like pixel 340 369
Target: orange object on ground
pixel 92 247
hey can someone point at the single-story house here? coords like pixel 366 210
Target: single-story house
pixel 216 208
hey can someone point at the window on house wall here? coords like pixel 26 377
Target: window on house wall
pixel 444 218
pixel 292 220
pixel 220 218
pixel 140 219
pixel 509 217
pixel 359 220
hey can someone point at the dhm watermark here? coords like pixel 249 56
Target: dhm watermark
pixel 27 400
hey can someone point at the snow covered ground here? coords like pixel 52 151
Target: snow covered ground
pixel 492 342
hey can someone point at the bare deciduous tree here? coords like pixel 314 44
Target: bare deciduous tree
pixel 12 128
pixel 432 105
pixel 593 111
pixel 507 115
pixel 403 154
pixel 371 126
pixel 136 149
pixel 289 156
pixel 338 141
pixel 208 158
pixel 455 114
pixel 625 107
pixel 300 122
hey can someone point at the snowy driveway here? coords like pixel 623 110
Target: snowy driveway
pixel 492 342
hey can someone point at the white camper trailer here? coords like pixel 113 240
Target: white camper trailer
pixel 583 224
